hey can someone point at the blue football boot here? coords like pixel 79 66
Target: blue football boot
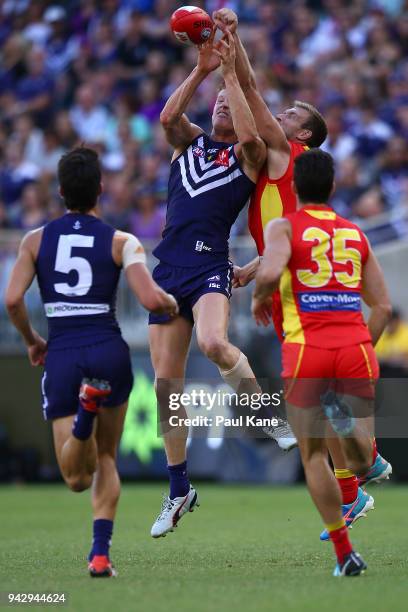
pixel 352 512
pixel 380 470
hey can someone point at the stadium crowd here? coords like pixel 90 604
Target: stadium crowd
pixel 100 72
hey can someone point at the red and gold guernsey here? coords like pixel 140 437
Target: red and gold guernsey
pixel 272 199
pixel 320 288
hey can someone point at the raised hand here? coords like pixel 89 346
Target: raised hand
pixel 37 351
pixel 262 311
pixel 225 18
pixel 245 274
pixel 226 53
pixel 208 60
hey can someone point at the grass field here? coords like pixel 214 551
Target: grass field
pixel 244 549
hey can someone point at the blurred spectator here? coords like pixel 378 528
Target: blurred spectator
pixel 125 124
pixel 101 71
pixel 12 68
pixel 370 133
pixel 116 200
pixel 147 220
pixel 153 174
pixel 64 130
pixel 401 116
pixel 51 153
pixel 30 138
pixel 393 174
pixel 82 17
pixel 60 46
pixel 103 47
pixel 392 348
pixel 36 31
pixel 114 11
pixel 5 27
pixel 33 93
pixel 133 49
pixel 369 204
pixel 396 97
pixel 151 103
pixel 88 119
pixel 355 96
pixel 4 223
pixel 339 143
pixel 15 173
pixel 349 186
pixel 32 213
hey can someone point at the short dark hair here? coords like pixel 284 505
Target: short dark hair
pixel 315 123
pixel 314 176
pixel 79 176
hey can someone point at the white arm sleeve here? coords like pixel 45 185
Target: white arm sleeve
pixel 133 251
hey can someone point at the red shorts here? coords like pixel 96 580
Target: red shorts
pixel 309 371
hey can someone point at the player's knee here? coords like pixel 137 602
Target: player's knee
pixel 212 347
pixel 77 484
pixel 313 457
pixel 166 389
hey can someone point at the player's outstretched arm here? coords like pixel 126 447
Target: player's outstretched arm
pixel 148 292
pixel 21 277
pixel 268 127
pixel 226 19
pixel 375 295
pixel 249 142
pixel 179 130
pixel 129 253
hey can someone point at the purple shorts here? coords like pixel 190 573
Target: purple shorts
pixel 65 368
pixel 189 284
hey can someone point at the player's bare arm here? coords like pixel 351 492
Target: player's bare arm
pixel 179 130
pixel 243 275
pixel 375 295
pixel 22 276
pixel 269 129
pixel 268 126
pixel 127 251
pixel 250 145
pixel 251 149
pixel 276 256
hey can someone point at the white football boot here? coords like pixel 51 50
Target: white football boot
pixel 282 434
pixel 171 512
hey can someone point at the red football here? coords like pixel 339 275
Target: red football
pixel 191 25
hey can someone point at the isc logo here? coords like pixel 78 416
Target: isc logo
pixel 200 246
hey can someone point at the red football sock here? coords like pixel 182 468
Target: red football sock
pixel 375 451
pixel 341 541
pixel 348 484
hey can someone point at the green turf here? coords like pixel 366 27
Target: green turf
pixel 244 549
